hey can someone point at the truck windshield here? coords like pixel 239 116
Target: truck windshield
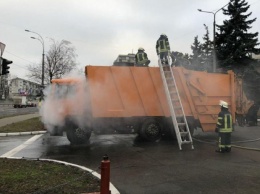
pixel 64 90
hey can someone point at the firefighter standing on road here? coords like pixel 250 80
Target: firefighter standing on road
pixel 141 58
pixel 224 128
pixel 163 48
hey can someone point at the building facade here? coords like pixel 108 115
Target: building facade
pixel 24 87
pixel 125 60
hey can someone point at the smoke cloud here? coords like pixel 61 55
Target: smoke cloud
pixel 63 100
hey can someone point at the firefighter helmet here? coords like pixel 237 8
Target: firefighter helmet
pixel 141 49
pixel 223 104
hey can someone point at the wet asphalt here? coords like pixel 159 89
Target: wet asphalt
pixel 139 167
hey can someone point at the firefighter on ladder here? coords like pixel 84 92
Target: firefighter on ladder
pixel 224 128
pixel 141 58
pixel 163 49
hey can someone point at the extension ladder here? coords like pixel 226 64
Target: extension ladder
pixel 179 120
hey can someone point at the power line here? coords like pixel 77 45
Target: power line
pixel 19 66
pixel 19 57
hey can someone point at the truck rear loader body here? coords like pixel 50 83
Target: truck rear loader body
pixel 123 98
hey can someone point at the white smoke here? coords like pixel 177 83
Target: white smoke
pixel 64 101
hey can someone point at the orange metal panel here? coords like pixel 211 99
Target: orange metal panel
pixel 126 92
pixel 206 90
pixel 184 92
pixel 147 91
pixel 138 91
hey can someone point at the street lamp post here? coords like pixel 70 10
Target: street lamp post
pixel 214 35
pixel 42 42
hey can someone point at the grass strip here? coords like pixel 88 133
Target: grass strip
pixel 35 176
pixel 33 124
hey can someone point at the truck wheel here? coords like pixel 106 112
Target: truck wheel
pixel 151 130
pixel 77 135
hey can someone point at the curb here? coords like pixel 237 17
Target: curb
pixel 112 187
pixel 22 133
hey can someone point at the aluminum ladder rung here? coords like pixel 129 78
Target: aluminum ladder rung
pixel 184 133
pixel 186 142
pixel 171 85
pixel 178 118
pixel 173 92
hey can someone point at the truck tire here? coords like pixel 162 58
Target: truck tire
pixel 151 130
pixel 77 135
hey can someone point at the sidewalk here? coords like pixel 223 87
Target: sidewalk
pixel 15 119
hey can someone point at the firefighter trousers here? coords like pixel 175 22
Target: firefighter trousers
pixel 224 142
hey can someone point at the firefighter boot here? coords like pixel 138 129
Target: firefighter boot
pixel 163 62
pixel 219 150
pixel 227 149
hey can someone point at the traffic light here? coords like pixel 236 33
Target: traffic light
pixel 5 66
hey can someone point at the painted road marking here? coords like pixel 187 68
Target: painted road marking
pixel 22 146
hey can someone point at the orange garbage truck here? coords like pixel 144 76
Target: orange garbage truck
pixel 114 98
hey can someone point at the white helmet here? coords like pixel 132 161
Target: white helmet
pixel 140 49
pixel 223 103
pixel 163 35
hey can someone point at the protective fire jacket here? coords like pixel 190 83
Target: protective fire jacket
pixel 225 123
pixel 141 57
pixel 162 45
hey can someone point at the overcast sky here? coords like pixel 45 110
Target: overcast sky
pixel 100 30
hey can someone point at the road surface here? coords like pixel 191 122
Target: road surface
pixel 151 168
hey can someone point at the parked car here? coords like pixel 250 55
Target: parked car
pixel 31 104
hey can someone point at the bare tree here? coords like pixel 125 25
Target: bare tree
pixel 60 60
pixel 35 72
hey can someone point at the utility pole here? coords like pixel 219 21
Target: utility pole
pixel 40 39
pixel 214 36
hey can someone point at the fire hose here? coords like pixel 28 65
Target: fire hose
pixel 233 145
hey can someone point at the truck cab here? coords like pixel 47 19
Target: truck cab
pixel 63 109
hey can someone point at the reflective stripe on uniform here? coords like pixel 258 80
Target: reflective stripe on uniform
pixel 163 46
pixel 219 119
pixel 226 126
pixel 141 58
pixel 227 130
pixel 228 121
